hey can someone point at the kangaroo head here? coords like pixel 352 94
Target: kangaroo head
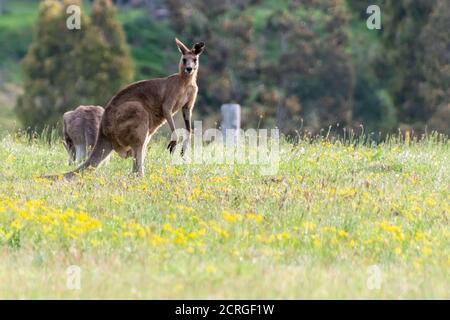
pixel 189 57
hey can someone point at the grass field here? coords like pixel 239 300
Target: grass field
pixel 316 229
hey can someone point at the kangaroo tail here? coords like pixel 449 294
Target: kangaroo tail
pixel 101 151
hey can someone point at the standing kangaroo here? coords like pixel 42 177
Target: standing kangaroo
pixel 134 114
pixel 80 129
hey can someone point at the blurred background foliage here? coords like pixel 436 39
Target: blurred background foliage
pixel 293 64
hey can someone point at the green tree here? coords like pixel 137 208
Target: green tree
pixel 115 68
pixel 306 65
pixel 435 67
pixel 65 68
pixel 399 65
pixel 51 67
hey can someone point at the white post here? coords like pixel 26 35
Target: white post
pixel 231 122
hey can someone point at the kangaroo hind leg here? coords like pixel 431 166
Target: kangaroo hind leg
pixel 139 157
pixel 132 133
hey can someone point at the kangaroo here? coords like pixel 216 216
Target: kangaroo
pixel 80 129
pixel 136 112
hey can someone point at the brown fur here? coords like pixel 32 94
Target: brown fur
pixel 134 114
pixel 80 129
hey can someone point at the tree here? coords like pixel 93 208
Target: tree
pixel 115 69
pixel 66 68
pixel 399 65
pixel 51 67
pixel 306 65
pixel 287 62
pixel 415 61
pixel 373 106
pixel 435 66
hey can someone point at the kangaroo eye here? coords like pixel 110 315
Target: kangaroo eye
pixel 195 60
pixel 184 61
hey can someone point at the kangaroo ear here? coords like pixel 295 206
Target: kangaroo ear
pixel 183 49
pixel 198 48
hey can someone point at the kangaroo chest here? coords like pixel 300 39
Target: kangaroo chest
pixel 183 98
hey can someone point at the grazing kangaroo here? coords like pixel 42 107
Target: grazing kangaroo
pixel 134 114
pixel 80 129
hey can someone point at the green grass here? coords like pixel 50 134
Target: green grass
pixel 221 231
